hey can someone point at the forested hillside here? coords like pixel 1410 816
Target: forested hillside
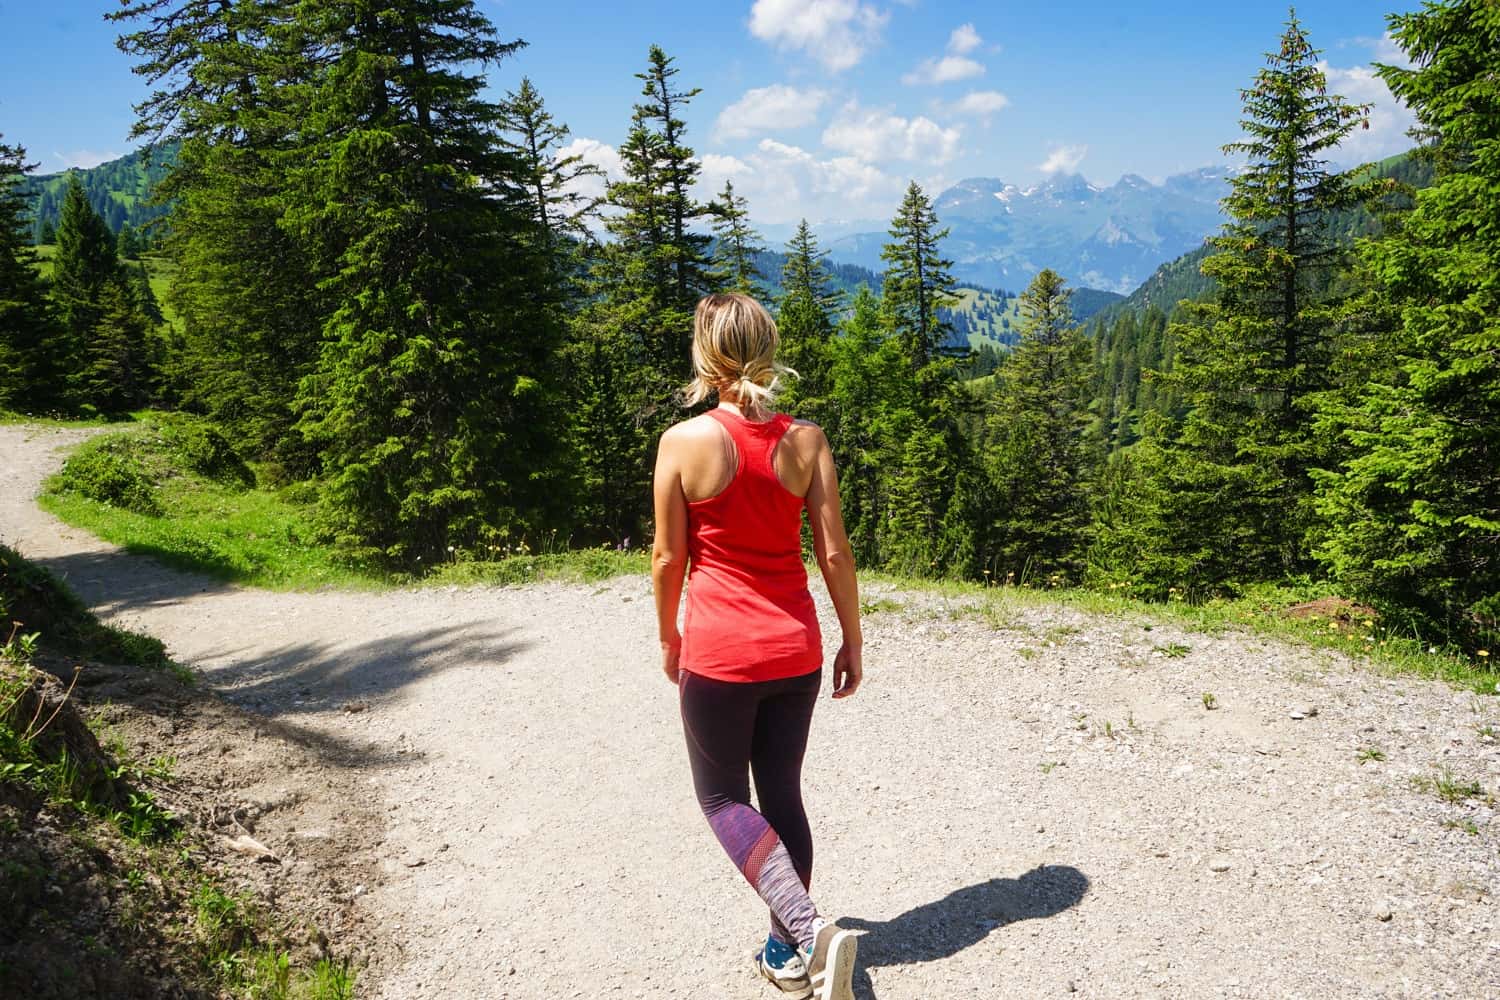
pixel 391 299
pixel 120 191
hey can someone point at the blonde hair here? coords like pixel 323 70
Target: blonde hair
pixel 734 351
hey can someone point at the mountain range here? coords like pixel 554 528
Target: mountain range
pixel 1109 238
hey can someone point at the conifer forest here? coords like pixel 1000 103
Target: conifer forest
pixel 386 286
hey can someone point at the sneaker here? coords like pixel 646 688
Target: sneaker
pixel 785 970
pixel 830 966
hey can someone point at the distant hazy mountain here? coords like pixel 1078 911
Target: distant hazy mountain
pixel 1107 238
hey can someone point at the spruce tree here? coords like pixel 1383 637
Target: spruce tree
pixel 535 139
pixel 1413 511
pixel 805 320
pixel 246 291
pixel 1040 454
pixel 918 535
pixel 442 339
pixel 117 375
pixel 1249 364
pixel 918 283
pixel 84 264
pixel 868 376
pixel 635 337
pixel 31 367
pixel 736 244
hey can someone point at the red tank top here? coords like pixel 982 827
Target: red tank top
pixel 749 614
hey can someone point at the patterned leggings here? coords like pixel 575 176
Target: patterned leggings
pixel 734 729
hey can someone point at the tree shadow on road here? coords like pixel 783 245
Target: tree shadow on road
pixel 962 919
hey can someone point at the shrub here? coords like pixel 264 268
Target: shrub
pixel 107 473
pixel 201 448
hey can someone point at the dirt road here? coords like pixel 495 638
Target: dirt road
pixel 1039 809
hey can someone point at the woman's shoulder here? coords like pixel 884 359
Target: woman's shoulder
pixel 691 431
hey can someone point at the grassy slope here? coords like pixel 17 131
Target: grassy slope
pixel 78 816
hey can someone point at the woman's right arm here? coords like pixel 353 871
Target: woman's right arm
pixel 836 560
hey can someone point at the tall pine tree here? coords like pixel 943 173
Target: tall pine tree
pixel 1040 453
pixel 925 532
pixel 1413 510
pixel 1247 365
pixel 441 338
pixel 735 244
pixel 805 320
pixel 32 362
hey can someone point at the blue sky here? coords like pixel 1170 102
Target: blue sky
pixel 823 108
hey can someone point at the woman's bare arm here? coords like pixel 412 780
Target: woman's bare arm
pixel 669 549
pixel 836 561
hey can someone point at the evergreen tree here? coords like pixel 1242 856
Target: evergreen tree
pixel 805 322
pixel 867 374
pixel 635 338
pixel 84 264
pixel 127 244
pixel 1249 364
pixel 117 376
pixel 918 283
pixel 47 234
pixel 246 290
pixel 736 244
pixel 31 366
pixel 549 179
pixel 919 535
pixel 442 338
pixel 1041 456
pixel 1413 512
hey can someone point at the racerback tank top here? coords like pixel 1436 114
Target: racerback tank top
pixel 749 614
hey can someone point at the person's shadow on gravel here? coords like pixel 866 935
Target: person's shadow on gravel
pixel 962 918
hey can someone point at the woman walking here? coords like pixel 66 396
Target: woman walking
pixel 729 490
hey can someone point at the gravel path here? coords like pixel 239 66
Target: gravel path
pixel 1029 807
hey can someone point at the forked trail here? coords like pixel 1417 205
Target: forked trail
pixel 1022 812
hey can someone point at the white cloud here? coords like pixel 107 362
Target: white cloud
pixel 944 70
pixel 980 103
pixel 766 108
pixel 601 155
pixel 1389 119
pixel 84 159
pixel 1063 159
pixel 837 33
pixel 964 39
pixel 783 183
pixel 873 135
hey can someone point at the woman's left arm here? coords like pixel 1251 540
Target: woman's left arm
pixel 669 550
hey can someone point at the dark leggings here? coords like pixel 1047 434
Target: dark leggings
pixel 735 729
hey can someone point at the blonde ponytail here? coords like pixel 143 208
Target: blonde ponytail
pixel 734 353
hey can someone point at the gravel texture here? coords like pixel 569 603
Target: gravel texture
pixel 1029 806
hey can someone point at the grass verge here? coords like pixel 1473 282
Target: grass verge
pixel 1261 610
pixel 218 526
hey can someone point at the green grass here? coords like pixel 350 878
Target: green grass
pixel 1259 611
pixel 268 538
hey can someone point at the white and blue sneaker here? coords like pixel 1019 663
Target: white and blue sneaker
pixel 784 968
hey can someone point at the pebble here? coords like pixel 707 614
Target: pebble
pixel 1219 864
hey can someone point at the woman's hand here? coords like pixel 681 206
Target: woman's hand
pixel 848 670
pixel 671 652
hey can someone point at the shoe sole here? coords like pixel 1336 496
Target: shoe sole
pixel 789 990
pixel 835 981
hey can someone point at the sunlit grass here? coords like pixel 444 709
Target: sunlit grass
pixel 1260 611
pixel 268 539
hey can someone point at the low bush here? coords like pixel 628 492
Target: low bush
pixel 106 471
pixel 200 447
